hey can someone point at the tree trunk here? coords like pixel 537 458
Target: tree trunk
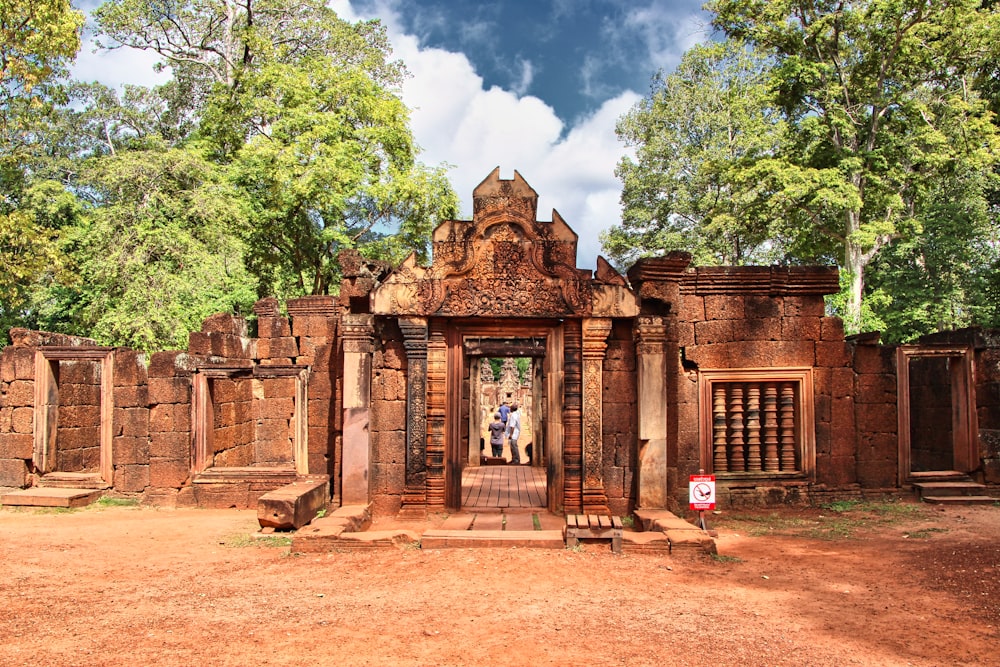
pixel 855 260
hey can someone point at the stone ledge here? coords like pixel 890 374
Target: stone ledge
pixel 503 539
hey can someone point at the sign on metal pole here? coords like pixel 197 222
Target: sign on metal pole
pixel 701 491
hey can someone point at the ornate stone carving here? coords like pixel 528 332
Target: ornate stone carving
pixel 415 342
pixel 595 335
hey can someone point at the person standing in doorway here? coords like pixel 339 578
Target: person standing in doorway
pixel 504 410
pixel 496 435
pixel 513 433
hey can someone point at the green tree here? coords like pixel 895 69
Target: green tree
pixel 693 135
pixel 156 249
pixel 38 39
pixel 879 98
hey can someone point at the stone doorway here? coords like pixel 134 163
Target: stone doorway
pixel 537 389
pixel 936 411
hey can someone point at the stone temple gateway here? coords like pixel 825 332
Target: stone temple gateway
pixel 632 383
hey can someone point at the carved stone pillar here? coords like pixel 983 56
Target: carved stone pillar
pixel 358 333
pixel 595 337
pixel 414 505
pixel 437 399
pixel 651 338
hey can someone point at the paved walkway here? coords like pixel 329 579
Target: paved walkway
pixel 503 487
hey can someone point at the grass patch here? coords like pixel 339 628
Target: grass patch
pixel 842 519
pixel 243 540
pixel 722 558
pixel 925 533
pixel 111 501
pixel 628 521
pixel 536 522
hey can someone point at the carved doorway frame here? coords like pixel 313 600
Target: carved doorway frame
pixel 458 364
pixel 963 406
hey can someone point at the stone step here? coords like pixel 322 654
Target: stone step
pixel 50 497
pixel 72 480
pixel 954 488
pixel 960 500
pixel 501 539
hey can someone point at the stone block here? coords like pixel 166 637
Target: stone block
pixel 831 328
pixel 388 385
pixel 388 416
pixel 22 420
pixel 235 495
pixel 13 473
pixel 273 451
pixel 169 390
pixel 225 323
pixel 832 354
pixel 758 306
pixel 80 372
pixel 273 327
pixel 320 386
pixel 170 445
pixel 16 446
pixel 274 408
pixel 130 451
pixel 320 439
pixel 843 382
pixel 391 356
pixel 692 308
pixel 165 473
pixel 842 413
pixel 877 474
pixel 293 505
pixel 757 329
pixel 319 413
pixel 166 364
pixel 131 396
pixel 7 364
pixel 285 347
pixel 314 326
pixel 278 387
pixel 713 332
pixel 874 359
pixel 129 368
pixel 823 408
pixel 199 343
pixel 724 307
pixel 24 363
pixel 171 417
pixel 804 306
pixel 800 328
pixel 132 422
pixel 843 442
pixel 824 444
pixel 389 446
pixel 131 478
pixel 876 417
pixel 20 393
pixel 318 351
pixel 389 478
pixel 838 471
pixel 877 447
pixel 876 388
pixel 754 354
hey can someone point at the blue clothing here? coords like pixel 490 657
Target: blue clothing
pixel 504 411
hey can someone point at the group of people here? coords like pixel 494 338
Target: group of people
pixel 506 422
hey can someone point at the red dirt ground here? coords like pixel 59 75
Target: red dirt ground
pixel 140 586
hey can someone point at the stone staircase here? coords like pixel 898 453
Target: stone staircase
pixel 950 487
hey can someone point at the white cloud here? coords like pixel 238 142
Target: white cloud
pixel 457 121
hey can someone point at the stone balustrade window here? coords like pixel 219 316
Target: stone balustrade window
pixel 757 422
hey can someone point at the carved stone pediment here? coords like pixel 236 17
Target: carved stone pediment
pixel 503 263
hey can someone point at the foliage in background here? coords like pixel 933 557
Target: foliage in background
pixel 279 140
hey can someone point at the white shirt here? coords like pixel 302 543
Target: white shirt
pixel 514 424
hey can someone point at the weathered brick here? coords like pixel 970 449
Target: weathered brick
pixel 832 354
pixel 274 408
pixel 874 359
pixel 130 450
pixel 131 478
pixel 169 390
pixel 170 445
pixel 724 307
pixel 80 372
pixel 314 326
pixel 758 306
pixel 804 306
pixel 273 327
pixel 16 446
pixel 285 346
pixel 800 328
pixel 713 331
pixel 168 472
pixel 131 422
pixel 389 446
pixel 131 397
pixel 225 323
pixel 13 473
pixel 24 363
pixel 20 393
pixel 765 329
pixel 876 417
pixel 129 369
pixel 831 328
pixel 22 420
pixel 170 418
pixel 273 452
pixel 388 416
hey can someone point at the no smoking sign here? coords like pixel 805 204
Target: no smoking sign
pixel 701 490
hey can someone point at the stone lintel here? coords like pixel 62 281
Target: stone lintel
pixel 319 304
pixel 772 280
pixel 669 267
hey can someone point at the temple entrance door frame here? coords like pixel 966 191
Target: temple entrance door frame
pixel 464 345
pixel 961 406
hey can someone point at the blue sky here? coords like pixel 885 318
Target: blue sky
pixel 531 85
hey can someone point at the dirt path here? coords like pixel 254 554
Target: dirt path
pixel 139 586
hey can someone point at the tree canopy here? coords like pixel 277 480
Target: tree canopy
pixel 884 142
pixel 279 139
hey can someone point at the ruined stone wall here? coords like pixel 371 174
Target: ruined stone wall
pixel 130 444
pixel 730 319
pixel 988 411
pixel 388 418
pixel 78 424
pixel 875 410
pixel 619 419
